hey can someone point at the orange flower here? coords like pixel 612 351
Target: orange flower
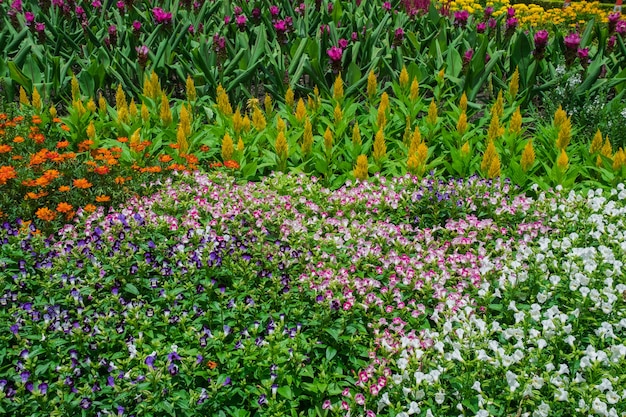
pixel 35 196
pixel 39 138
pixel 112 161
pixel 56 120
pixel 64 207
pixel 18 139
pixel 204 148
pixel 85 145
pixel 89 208
pixel 5 148
pixel 7 173
pixel 101 170
pixel 103 198
pixel 45 214
pixel 191 159
pixel 231 164
pixel 174 145
pixel 215 165
pixel 64 189
pixel 120 180
pixel 51 174
pixel 122 139
pixel 211 364
pixel 36 120
pixel 63 144
pixel 17 157
pixel 65 127
pixel 165 158
pixel 82 183
pixel 42 182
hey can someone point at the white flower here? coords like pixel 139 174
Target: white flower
pixel 482 413
pixel 612 397
pixel 420 394
pixel 605 385
pixel 599 407
pixel 537 382
pixel 542 411
pixel 414 408
pixel 561 395
pixel 476 386
pixel 440 397
pixel 511 379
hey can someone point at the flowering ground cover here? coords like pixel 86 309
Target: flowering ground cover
pixel 384 297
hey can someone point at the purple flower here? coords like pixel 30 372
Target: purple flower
pixel 481 27
pixel 120 410
pixel 335 53
pixel 43 388
pixel 492 23
pixel 241 21
pixel 85 403
pixel 120 5
pixel 343 43
pixel 24 376
pixel 150 360
pixel 387 6
pixel 14 329
pixel 583 54
pixel 610 43
pixel 467 56
pixel 227 381
pixel 96 4
pixel 621 27
pixel 110 381
pixel 398 36
pixel 511 23
pixel 541 39
pixel 460 18
pixel 488 12
pixel 173 356
pixel 280 26
pixel 161 16
pixel 572 41
pixel 262 399
pixel 40 27
pixel 29 17
pixel 355 36
pixel 510 12
pixel 237 10
pixel 142 55
pixel 274 10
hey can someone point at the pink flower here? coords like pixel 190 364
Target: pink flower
pixel 374 390
pixel 241 21
pixel 326 405
pixel 335 54
pixel 161 16
pixel 572 41
pixel 343 43
pixel 387 6
pixel 274 10
pixel 460 18
pixel 359 399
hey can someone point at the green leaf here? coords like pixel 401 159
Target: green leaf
pixel 18 76
pixel 330 353
pixel 285 391
pixel 131 289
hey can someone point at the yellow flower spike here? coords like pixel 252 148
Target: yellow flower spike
pixel 267 104
pixel 338 114
pixel 155 86
pixel 599 161
pixel 258 119
pixel 607 150
pixel 132 108
pixel 498 107
pixel 381 117
pixel 404 78
pixel 380 148
pixel 145 113
pixel 190 89
pixel 245 124
pixel 596 143
pixel 422 153
pixel 24 101
pixel 413 164
pixel 415 88
pixel 356 134
pixel 102 103
pixel 489 154
pixel 91 105
pixel 406 136
pixel 165 113
pixel 384 101
pixel 300 111
pixel 494 127
pixel 282 147
pixel 514 84
pixel 75 89
pixel 227 148
pixel 565 134
pixel 223 102
pixel 372 88
pixel 494 167
pixel 135 138
pixel 416 140
pixel 237 121
pixel 280 124
pixel 515 126
pixel 120 98
pixel 338 88
pixel 307 138
pixel 528 156
pixel 465 149
pixel 185 119
pixel 311 104
pixel 240 145
pixel 463 103
pixel 36 100
pixel 53 111
pixel 562 161
pixel 432 113
pixel 328 140
pixel 147 87
pixel 619 160
pixel 441 74
pixel 91 130
pixel 559 117
pixel 81 110
pixel 181 141
pixel 361 169
pixel 461 125
pixel 289 97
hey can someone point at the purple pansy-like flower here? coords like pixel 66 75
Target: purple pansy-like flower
pixel 43 388
pixel 150 360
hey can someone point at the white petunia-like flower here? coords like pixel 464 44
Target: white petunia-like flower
pixel 599 407
pixel 413 408
pixel 612 397
pixel 511 379
pixel 440 397
pixel 561 395
pixel 542 411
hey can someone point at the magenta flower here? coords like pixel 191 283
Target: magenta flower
pixel 226 19
pixel 398 37
pixel 572 41
pixel 620 28
pixel 355 36
pixel 121 5
pixel 142 55
pixel 583 54
pixel 387 6
pixel 237 10
pixel 335 54
pixel 161 16
pixel 96 4
pixel 343 43
pixel 511 24
pixel 467 56
pixel 274 10
pixel 29 17
pixel 460 18
pixel 481 27
pixel 492 23
pixel 510 12
pixel 541 38
pixel 488 12
pixel 241 21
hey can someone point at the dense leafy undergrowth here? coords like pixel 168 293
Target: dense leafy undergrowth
pixel 391 297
